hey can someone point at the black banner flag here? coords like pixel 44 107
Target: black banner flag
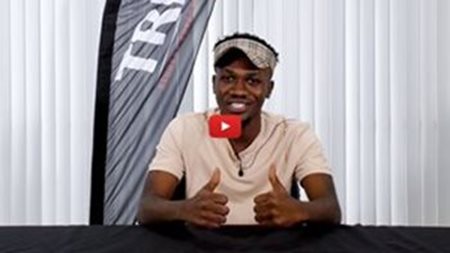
pixel 147 54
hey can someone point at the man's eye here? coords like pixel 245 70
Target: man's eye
pixel 253 81
pixel 228 79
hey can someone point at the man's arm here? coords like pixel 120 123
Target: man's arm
pixel 206 208
pixel 323 205
pixel 155 204
pixel 278 208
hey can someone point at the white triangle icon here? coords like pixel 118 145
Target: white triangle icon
pixel 224 126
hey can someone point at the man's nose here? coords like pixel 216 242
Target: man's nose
pixel 239 88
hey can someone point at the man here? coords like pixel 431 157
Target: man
pixel 241 180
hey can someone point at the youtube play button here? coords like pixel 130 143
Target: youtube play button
pixel 225 126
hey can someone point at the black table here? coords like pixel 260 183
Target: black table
pixel 179 238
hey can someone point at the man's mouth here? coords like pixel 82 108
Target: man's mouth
pixel 237 107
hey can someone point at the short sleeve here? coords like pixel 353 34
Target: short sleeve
pixel 169 157
pixel 312 158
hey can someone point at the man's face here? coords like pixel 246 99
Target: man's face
pixel 241 88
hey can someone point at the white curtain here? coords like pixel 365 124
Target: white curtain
pixel 370 75
pixel 48 62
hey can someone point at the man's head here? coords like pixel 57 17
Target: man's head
pixel 244 65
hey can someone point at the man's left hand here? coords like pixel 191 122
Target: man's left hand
pixel 277 207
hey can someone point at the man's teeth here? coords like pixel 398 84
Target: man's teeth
pixel 238 105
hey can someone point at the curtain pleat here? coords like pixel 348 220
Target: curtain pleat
pixel 48 146
pixel 382 113
pixel 5 113
pixel 18 111
pixel 352 100
pixel 33 120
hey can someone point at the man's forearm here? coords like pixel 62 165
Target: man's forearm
pixel 155 209
pixel 321 210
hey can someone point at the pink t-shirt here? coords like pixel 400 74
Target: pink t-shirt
pixel 187 149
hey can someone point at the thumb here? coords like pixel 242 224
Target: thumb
pixel 274 181
pixel 213 182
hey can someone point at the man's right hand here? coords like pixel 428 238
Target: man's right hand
pixel 206 208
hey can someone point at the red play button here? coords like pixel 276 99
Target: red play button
pixel 225 126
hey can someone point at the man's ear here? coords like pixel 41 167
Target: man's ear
pixel 214 83
pixel 270 88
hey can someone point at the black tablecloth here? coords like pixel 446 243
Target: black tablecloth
pixel 179 238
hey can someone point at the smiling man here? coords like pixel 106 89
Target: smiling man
pixel 244 180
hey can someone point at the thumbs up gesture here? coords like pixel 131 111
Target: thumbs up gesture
pixel 277 207
pixel 277 186
pixel 207 208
